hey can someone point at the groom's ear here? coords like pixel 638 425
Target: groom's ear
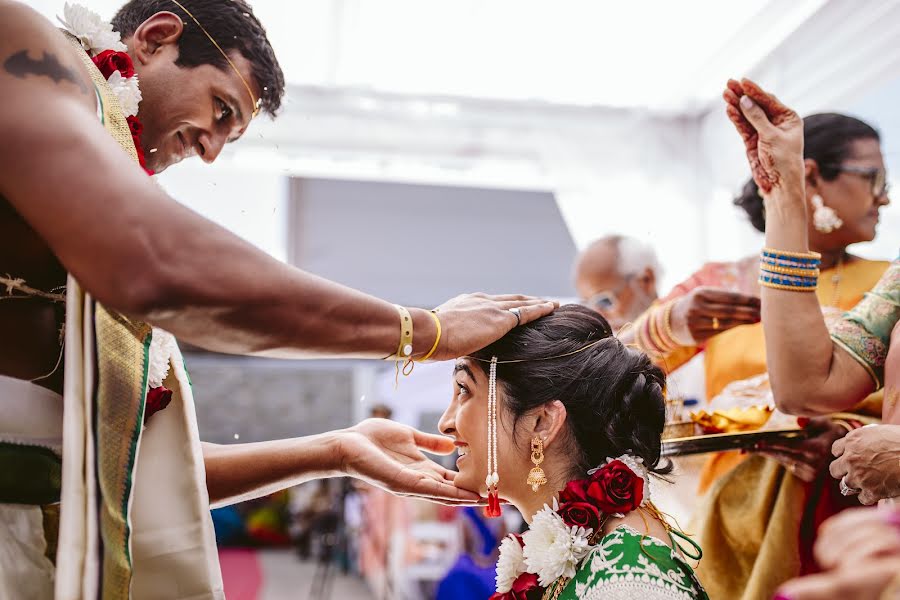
pixel 550 421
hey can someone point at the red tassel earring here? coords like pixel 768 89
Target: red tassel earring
pixel 493 479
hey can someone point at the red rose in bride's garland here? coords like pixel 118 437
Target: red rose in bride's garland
pixel 575 491
pixel 525 587
pixel 110 61
pixel 614 488
pixel 580 514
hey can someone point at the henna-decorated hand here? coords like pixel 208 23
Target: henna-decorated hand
pixel 772 134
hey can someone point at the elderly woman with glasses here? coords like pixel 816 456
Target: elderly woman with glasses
pixel 762 509
pixel 818 369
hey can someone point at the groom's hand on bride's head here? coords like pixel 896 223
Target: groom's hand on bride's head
pixel 473 321
pixel 390 456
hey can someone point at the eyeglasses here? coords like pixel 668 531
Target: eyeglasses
pixel 602 301
pixel 607 299
pixel 876 175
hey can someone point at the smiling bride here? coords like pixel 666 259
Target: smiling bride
pixel 563 421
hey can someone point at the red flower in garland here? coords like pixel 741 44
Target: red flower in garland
pixel 110 61
pixel 157 399
pixel 615 488
pixel 580 514
pixel 525 587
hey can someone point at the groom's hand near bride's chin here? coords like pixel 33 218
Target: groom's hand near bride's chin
pixel 389 455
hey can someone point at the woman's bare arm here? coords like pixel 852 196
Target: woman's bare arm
pixel 809 374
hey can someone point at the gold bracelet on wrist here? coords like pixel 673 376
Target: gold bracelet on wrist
pixel 667 325
pixel 810 255
pixel 405 348
pixel 786 288
pixel 437 339
pixel 790 271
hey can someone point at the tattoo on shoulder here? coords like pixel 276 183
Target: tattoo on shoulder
pixel 21 65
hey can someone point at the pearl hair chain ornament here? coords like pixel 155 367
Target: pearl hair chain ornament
pixel 492 480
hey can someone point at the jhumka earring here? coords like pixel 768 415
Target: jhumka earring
pixel 537 477
pixel 493 479
pixel 825 219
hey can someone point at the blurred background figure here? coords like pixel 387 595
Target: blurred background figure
pixel 617 276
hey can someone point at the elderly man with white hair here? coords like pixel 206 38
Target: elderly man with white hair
pixel 616 276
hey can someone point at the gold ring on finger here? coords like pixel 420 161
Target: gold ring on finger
pixel 715 323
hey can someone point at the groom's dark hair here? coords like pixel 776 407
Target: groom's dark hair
pixel 613 394
pixel 234 27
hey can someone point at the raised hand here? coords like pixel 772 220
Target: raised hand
pixel 772 134
pixel 706 311
pixel 473 321
pixel 389 455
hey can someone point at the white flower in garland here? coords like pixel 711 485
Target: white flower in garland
pixel 127 91
pixel 510 565
pixel 95 34
pixel 162 346
pixel 553 549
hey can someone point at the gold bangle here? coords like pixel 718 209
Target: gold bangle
pixel 786 288
pixel 654 334
pixel 789 271
pixel 641 335
pixel 405 348
pixel 437 339
pixel 667 324
pixel 814 255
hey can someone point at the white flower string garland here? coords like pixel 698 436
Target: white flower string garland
pixel 97 36
pixel 552 549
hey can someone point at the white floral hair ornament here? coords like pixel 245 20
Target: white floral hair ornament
pixel 95 34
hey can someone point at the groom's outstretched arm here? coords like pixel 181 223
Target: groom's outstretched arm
pixel 137 250
pixel 383 453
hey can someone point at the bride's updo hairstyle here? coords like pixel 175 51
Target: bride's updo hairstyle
pixel 613 394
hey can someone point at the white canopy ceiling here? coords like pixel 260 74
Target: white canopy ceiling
pixel 649 53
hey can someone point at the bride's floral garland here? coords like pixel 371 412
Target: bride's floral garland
pixel 560 537
pixel 107 51
pixel 104 45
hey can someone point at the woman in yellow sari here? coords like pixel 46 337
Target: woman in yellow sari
pixel 758 525
pixel 817 373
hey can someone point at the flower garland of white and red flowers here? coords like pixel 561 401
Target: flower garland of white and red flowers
pixel 104 45
pixel 560 537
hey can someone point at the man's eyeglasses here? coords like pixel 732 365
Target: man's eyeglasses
pixel 602 301
pixel 876 175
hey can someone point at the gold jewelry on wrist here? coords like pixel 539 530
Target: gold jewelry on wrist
pixel 405 348
pixel 786 288
pixel 437 339
pixel 667 324
pixel 654 333
pixel 811 255
pixel 790 271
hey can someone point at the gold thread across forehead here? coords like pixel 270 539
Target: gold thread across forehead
pixel 521 360
pixel 253 101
